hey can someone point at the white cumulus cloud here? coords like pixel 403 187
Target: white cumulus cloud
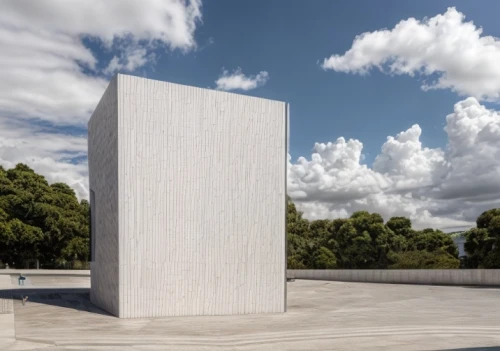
pixel 45 65
pixel 435 188
pixel 50 77
pixel 407 163
pixel 239 81
pixel 445 46
pixel 59 156
pixel 130 59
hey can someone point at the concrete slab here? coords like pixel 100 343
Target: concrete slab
pixel 5 281
pixel 7 328
pixel 321 315
pixel 46 281
pixel 7 332
pixel 49 272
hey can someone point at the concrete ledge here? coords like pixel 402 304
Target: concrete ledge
pixel 484 277
pixel 52 272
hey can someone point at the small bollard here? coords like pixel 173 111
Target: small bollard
pixel 21 280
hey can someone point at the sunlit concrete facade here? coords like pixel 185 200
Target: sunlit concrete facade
pixel 188 198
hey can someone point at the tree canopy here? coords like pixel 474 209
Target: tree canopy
pixel 40 221
pixel 483 242
pixel 364 241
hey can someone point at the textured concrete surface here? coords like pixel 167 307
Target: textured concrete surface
pixel 201 218
pixel 103 183
pixel 50 283
pixel 321 316
pixel 481 277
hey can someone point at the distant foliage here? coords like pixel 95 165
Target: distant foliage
pixel 424 260
pixel 483 242
pixel 40 221
pixel 364 241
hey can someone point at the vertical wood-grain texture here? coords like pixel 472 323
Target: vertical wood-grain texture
pixel 103 181
pixel 201 183
pixel 202 201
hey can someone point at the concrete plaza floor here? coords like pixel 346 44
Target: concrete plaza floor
pixel 321 316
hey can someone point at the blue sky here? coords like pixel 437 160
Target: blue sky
pixel 349 69
pixel 287 39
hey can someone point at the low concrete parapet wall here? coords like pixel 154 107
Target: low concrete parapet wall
pixel 486 277
pixel 50 272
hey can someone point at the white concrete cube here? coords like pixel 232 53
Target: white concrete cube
pixel 188 201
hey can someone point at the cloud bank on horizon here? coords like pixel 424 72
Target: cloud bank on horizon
pixel 433 187
pixel 49 76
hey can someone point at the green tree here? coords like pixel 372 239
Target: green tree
pixel 424 260
pixel 489 220
pixel 323 246
pixel 298 238
pixel 364 241
pixel 40 221
pixel 402 232
pixel 325 259
pixel 355 248
pixel 483 243
pixel 431 240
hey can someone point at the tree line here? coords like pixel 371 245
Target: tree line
pixel 48 223
pixel 364 241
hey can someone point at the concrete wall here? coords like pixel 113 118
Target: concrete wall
pixel 490 277
pixel 103 179
pixel 202 204
pixel 50 272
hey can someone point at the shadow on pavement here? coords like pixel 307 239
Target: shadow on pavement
pixel 72 298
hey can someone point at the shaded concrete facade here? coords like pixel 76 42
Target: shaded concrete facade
pixel 188 198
